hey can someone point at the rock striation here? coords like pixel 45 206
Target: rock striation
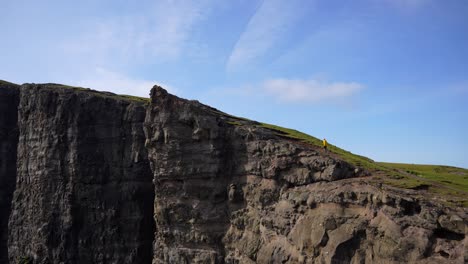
pixel 93 177
pixel 83 185
pixel 230 191
pixel 9 100
pixel 199 159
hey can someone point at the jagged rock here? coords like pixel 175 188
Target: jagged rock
pixel 453 223
pixel 298 206
pixel 9 99
pixel 83 187
pixel 90 177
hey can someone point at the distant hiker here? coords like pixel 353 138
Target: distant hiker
pixel 325 143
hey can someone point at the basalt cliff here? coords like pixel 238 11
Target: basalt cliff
pixel 94 177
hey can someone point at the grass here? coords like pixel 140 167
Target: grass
pixel 234 123
pixel 450 183
pixel 135 98
pixel 356 160
pixel 2 82
pixel 451 177
pixel 102 94
pixel 87 90
pixel 443 181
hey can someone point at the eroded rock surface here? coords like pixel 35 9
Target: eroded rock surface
pixel 229 191
pixel 9 99
pixel 83 188
pixel 89 177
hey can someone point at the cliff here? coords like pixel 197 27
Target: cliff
pixel 9 100
pixel 83 183
pixel 92 177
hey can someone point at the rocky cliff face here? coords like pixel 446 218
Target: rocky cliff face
pixel 229 191
pixel 83 186
pixel 9 99
pixel 91 177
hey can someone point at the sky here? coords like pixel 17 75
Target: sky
pixel 387 79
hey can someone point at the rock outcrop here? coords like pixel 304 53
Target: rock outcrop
pixel 9 99
pixel 93 177
pixel 230 191
pixel 83 187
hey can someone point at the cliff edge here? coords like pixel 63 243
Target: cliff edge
pixel 229 190
pixel 94 177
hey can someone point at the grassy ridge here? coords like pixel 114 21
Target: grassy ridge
pixel 102 94
pixel 450 183
pixel 356 160
pixel 2 82
pixel 93 92
pixel 452 177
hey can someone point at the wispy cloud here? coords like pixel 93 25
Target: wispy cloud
pixel 159 33
pixel 267 26
pixel 106 80
pixel 298 90
pixel 314 90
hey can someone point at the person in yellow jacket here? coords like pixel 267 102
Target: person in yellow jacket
pixel 325 143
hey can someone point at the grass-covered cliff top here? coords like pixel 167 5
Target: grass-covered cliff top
pixel 2 82
pixel 90 91
pixel 102 94
pixel 449 184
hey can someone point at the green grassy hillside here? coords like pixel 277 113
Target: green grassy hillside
pixel 449 184
pixel 357 160
pixel 452 177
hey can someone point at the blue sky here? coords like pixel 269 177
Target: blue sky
pixel 387 79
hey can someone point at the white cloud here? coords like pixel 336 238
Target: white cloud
pixel 267 26
pixel 105 80
pixel 297 90
pixel 157 33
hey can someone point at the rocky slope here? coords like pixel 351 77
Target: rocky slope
pixel 90 177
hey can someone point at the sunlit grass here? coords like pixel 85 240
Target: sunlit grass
pixel 2 82
pixel 448 182
pixel 356 160
pixel 452 177
pixel 100 94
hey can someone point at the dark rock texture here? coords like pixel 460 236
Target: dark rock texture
pixel 9 99
pixel 229 191
pixel 84 188
pixel 93 177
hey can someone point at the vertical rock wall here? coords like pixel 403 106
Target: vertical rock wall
pixel 9 99
pixel 92 177
pixel 190 154
pixel 214 176
pixel 84 188
pixel 230 191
